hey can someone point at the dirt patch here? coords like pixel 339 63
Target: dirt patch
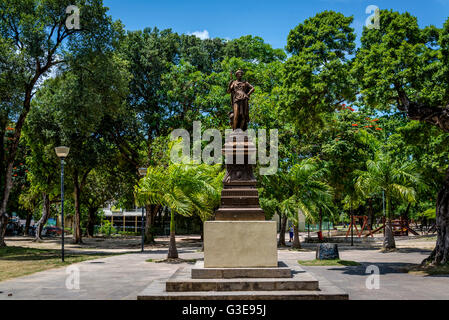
pixel 174 261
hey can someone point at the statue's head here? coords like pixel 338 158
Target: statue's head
pixel 239 74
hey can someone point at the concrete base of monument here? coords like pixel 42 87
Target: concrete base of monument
pixel 287 282
pixel 240 244
pixel 200 272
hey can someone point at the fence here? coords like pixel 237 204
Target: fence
pixel 326 225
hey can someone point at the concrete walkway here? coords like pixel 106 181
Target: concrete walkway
pixel 114 278
pixel 124 276
pixel 394 283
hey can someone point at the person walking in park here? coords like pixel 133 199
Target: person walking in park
pixel 291 234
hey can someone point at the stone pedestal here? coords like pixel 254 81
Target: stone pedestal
pixel 240 244
pixel 239 198
pixel 240 237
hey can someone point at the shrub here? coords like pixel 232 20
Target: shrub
pixel 107 228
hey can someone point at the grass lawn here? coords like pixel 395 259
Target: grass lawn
pixel 18 261
pixel 325 263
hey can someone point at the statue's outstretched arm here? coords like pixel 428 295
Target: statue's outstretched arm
pixel 251 89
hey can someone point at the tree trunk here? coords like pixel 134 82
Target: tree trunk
pixel 283 230
pixel 77 236
pixel 296 242
pixel 437 116
pixel 389 242
pixel 12 152
pixel 202 231
pixel 3 224
pixel 43 220
pixel 26 232
pixel 3 124
pixel 151 211
pixel 405 216
pixel 5 197
pixel 371 211
pixel 172 251
pixel 440 255
pixel 321 221
pixel 91 221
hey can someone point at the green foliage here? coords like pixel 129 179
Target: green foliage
pixel 115 96
pixel 429 214
pixel 397 181
pixel 184 188
pixel 107 228
pixel 323 263
pixel 252 48
pixel 302 188
pixel 400 55
pixel 316 75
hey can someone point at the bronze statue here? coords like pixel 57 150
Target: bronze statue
pixel 240 93
pixel 239 197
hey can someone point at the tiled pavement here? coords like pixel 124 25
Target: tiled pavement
pixel 124 276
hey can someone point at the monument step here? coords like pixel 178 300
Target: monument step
pixel 156 291
pixel 239 214
pixel 243 183
pixel 262 284
pixel 240 192
pixel 240 201
pixel 181 282
pixel 242 209
pixel 326 291
pixel 199 272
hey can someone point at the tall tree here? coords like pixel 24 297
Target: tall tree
pixel 182 188
pixel 272 194
pixel 308 192
pixel 77 103
pixel 403 65
pixel 34 36
pixel 316 75
pixel 397 181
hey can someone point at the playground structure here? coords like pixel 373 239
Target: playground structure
pixel 364 225
pixel 400 227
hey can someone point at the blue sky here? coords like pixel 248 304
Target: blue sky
pixel 272 20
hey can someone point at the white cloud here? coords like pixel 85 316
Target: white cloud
pixel 201 34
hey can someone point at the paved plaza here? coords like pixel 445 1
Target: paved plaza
pixel 125 276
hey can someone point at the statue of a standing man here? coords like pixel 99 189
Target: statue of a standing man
pixel 240 93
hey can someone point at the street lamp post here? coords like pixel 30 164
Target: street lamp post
pixel 62 153
pixel 142 173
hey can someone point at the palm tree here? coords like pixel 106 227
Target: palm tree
pixel 309 193
pixel 273 192
pixel 182 188
pixel 396 180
